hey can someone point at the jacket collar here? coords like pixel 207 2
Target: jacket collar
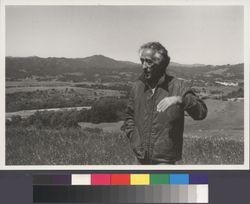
pixel 162 82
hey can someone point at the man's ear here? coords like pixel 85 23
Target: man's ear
pixel 165 64
pixel 167 61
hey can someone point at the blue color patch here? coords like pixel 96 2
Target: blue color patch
pixel 178 179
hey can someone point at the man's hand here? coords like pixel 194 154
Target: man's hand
pixel 167 102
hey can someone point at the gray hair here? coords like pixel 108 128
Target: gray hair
pixel 159 48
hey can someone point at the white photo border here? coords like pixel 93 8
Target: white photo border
pixel 243 3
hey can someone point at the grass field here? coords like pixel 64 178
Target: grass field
pixel 218 139
pixel 34 82
pixel 224 119
pixel 36 98
pixel 28 113
pixel 88 92
pixel 223 89
pixel 81 147
pixel 106 127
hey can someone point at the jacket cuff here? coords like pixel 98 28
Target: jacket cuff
pixel 189 101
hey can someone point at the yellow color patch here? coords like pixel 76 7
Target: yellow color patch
pixel 139 179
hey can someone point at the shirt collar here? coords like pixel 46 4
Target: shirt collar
pixel 163 79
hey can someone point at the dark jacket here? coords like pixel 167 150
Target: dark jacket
pixel 157 137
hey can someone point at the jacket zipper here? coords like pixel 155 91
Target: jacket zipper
pixel 151 121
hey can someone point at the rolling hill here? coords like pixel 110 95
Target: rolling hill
pixel 22 67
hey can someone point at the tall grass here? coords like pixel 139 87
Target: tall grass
pixel 75 146
pixel 212 150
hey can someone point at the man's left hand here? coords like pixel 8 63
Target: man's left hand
pixel 165 103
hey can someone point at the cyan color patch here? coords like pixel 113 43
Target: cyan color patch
pixel 179 179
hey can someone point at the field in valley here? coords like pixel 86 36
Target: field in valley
pixel 218 139
pixel 34 95
pixel 36 135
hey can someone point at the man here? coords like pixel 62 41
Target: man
pixel 154 120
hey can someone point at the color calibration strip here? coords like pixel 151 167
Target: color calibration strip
pixel 121 188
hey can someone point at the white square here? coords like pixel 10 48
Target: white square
pixel 202 193
pixel 81 179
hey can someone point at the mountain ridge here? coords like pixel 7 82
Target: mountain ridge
pixel 20 67
pixel 101 57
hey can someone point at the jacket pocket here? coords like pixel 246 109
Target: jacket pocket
pixel 136 144
pixel 164 147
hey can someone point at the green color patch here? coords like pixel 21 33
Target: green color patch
pixel 159 179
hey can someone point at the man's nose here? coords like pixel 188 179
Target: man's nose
pixel 145 65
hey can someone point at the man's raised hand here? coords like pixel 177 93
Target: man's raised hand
pixel 165 103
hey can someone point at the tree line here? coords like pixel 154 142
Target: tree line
pixel 103 110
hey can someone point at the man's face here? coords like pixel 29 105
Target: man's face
pixel 151 63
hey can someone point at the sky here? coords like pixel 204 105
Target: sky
pixel 191 34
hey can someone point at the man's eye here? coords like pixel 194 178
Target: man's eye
pixel 142 60
pixel 149 61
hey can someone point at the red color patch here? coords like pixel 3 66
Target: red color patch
pixel 120 179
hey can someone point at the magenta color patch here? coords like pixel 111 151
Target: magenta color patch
pixel 100 179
